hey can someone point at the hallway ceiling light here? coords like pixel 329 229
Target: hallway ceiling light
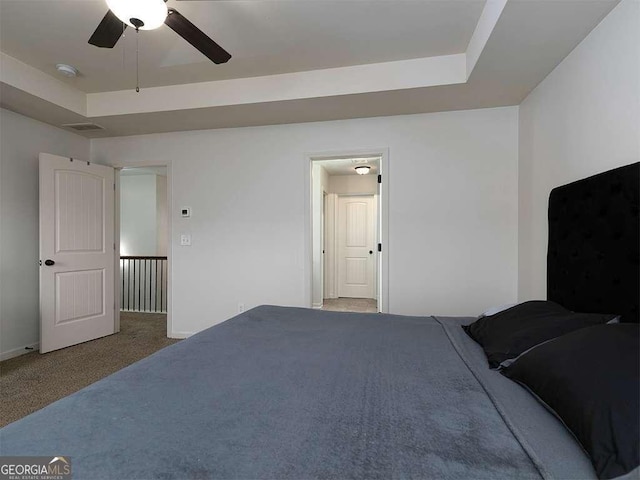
pixel 362 169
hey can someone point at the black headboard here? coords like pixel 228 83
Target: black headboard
pixel 594 244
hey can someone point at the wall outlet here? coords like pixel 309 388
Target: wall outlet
pixel 240 307
pixel 185 240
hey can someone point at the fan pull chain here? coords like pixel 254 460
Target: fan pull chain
pixel 124 63
pixel 137 61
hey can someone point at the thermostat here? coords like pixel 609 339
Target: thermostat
pixel 185 211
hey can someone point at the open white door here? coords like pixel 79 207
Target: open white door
pixel 76 252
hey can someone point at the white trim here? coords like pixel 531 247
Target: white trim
pixel 16 352
pixel 328 82
pixel 151 163
pixel 383 271
pixel 330 245
pixel 383 153
pixel 35 82
pixel 484 28
pixel 116 251
pixel 181 335
pixel 317 306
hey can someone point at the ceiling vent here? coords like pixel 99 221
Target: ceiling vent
pixel 83 127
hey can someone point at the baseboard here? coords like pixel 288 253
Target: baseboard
pixel 180 335
pixel 16 352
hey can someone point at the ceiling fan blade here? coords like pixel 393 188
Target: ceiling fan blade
pixel 196 37
pixel 108 32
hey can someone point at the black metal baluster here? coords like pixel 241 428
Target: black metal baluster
pixel 134 285
pixel 150 275
pixel 144 286
pixel 122 292
pixel 161 285
pixel 139 309
pixel 155 303
pixel 129 288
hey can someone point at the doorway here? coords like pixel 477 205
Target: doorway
pixel 348 232
pixel 143 247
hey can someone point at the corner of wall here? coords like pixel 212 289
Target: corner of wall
pixel 565 130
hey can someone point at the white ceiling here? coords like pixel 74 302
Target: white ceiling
pixel 293 60
pixel 346 166
pixel 264 38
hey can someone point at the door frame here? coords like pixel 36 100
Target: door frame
pixel 142 164
pixel 382 286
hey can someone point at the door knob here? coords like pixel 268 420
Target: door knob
pixel 49 263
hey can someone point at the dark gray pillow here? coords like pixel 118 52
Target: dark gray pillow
pixel 591 379
pixel 509 333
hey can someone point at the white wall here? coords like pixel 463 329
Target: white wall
pixel 463 233
pixel 353 184
pixel 143 214
pixel 584 118
pixel 452 210
pixel 162 213
pixel 138 215
pixel 21 140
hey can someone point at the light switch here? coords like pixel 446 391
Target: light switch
pixel 185 212
pixel 185 240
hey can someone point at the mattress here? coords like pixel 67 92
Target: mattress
pixel 280 392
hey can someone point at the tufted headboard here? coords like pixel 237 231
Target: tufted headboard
pixel 594 244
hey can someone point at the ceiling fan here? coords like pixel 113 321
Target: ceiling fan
pixel 149 15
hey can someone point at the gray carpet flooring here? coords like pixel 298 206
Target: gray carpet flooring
pixel 32 381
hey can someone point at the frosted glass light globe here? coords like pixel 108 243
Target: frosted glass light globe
pixel 151 12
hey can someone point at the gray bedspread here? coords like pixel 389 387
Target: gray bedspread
pixel 295 393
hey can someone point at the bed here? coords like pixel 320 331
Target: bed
pixel 283 392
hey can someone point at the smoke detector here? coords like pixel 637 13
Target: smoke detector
pixel 67 70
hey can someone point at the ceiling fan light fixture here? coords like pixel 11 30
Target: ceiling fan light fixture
pixel 151 13
pixel 362 169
